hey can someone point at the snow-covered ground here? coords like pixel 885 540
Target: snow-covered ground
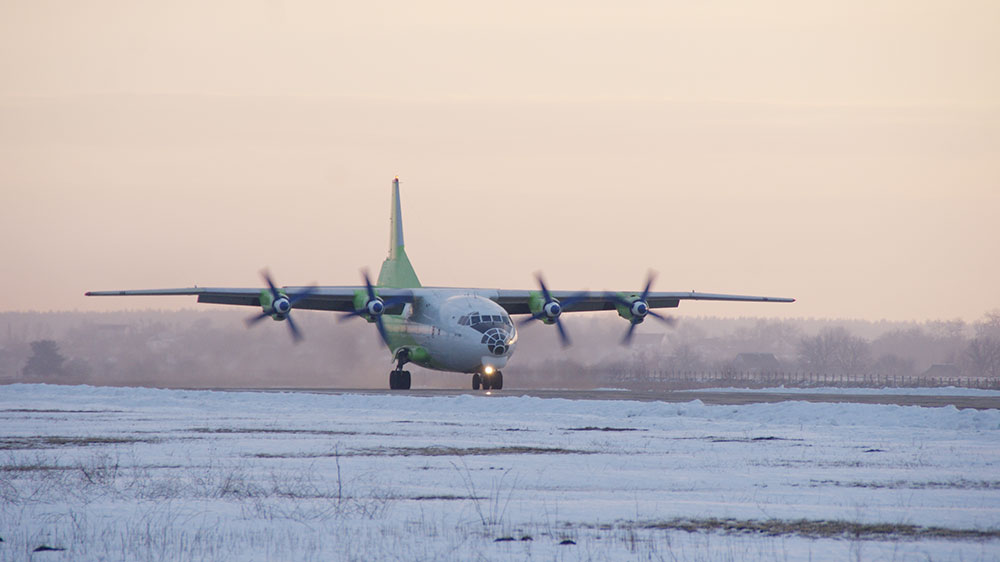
pixel 896 391
pixel 144 474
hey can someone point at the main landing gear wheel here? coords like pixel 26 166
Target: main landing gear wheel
pixel 399 380
pixel 477 381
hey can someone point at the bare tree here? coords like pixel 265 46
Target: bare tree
pixel 924 346
pixel 776 337
pixel 989 326
pixel 893 365
pixel 834 350
pixel 983 357
pixel 947 329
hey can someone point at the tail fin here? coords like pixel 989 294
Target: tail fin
pixel 396 270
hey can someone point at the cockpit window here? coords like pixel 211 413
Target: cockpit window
pixel 476 319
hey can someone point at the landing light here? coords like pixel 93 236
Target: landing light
pixel 488 370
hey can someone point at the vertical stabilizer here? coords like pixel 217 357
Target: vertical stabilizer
pixel 396 269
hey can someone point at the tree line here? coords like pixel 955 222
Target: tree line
pixel 206 348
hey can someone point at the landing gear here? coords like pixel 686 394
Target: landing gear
pixel 488 381
pixel 399 380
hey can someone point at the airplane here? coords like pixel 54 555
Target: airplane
pixel 463 330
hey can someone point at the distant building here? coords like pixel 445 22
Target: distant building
pixel 756 363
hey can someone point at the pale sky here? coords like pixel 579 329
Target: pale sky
pixel 844 153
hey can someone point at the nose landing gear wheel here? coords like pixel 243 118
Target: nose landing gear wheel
pixel 493 381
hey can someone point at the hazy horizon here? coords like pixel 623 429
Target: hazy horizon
pixel 844 155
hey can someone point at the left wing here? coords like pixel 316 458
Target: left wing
pixel 522 301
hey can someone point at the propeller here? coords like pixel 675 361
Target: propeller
pixel 375 306
pixel 553 309
pixel 639 309
pixel 281 306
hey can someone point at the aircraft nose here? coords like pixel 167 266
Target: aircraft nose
pixel 496 341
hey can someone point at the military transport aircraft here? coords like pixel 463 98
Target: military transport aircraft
pixel 446 329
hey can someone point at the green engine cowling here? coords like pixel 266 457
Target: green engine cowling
pixel 536 304
pixel 545 311
pixel 631 307
pixel 278 307
pixel 361 303
pixel 414 354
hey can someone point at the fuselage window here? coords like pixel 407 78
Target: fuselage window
pixel 475 319
pixel 463 321
pixel 497 319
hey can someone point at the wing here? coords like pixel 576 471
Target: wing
pixel 320 298
pixel 519 302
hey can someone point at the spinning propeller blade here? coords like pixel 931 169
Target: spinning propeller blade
pixel 553 309
pixel 375 306
pixel 281 306
pixel 639 309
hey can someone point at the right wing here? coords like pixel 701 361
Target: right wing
pixel 340 299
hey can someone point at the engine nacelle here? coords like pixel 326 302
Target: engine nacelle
pixel 552 310
pixel 280 308
pixel 375 307
pixel 281 305
pixel 639 309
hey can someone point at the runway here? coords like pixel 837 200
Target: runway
pixel 729 398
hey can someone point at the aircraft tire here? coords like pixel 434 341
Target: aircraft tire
pixel 404 380
pixel 477 381
pixel 487 382
pixel 498 380
pixel 393 380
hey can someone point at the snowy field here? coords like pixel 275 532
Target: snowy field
pixel 142 474
pixel 897 391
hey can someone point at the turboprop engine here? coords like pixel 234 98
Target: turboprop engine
pixel 373 307
pixel 278 305
pixel 635 309
pixel 548 309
